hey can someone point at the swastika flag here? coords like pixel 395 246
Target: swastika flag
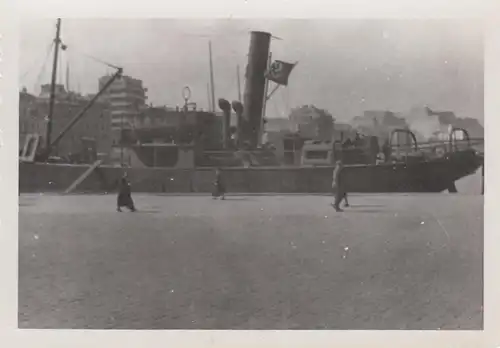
pixel 279 71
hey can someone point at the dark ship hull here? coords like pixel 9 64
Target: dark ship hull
pixel 434 175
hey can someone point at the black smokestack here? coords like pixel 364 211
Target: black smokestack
pixel 255 84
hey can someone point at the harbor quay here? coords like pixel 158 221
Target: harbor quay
pixel 389 261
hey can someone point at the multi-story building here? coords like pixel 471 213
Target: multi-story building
pixel 127 99
pixel 95 125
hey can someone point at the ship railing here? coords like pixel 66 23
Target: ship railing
pixel 435 149
pixel 408 151
pixel 458 140
pixel 422 146
pixel 453 146
pixel 358 154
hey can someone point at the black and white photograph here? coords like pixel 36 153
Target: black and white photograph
pixel 251 174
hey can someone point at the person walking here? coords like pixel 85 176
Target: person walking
pixel 219 187
pixel 124 198
pixel 338 187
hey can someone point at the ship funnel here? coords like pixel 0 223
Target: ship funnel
pixel 255 84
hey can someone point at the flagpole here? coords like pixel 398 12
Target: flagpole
pixel 272 92
pixel 208 98
pixel 238 81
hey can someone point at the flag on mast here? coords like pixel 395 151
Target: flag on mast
pixel 279 72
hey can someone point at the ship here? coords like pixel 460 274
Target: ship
pixel 186 164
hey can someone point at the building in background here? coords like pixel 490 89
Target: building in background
pixel 381 123
pixel 60 91
pixel 342 131
pixel 429 124
pixel 312 123
pixel 424 122
pixel 27 125
pixel 95 125
pixel 126 97
pixel 378 122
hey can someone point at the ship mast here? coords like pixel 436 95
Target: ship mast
pixel 211 75
pixel 238 82
pixel 49 143
pixel 57 42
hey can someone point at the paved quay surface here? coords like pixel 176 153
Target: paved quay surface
pixel 251 262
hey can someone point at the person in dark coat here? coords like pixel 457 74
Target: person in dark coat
pixel 219 187
pixel 338 187
pixel 125 195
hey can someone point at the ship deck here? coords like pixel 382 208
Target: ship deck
pixel 403 261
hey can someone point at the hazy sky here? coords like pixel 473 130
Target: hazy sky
pixel 345 66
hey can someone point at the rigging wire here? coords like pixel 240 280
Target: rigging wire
pixel 44 65
pixel 23 75
pixel 95 58
pixel 285 100
pixel 276 108
pixel 74 72
pixel 59 66
pixel 71 52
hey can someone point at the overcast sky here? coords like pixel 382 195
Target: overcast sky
pixel 345 66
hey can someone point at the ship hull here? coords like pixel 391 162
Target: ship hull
pixel 434 175
pixel 427 176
